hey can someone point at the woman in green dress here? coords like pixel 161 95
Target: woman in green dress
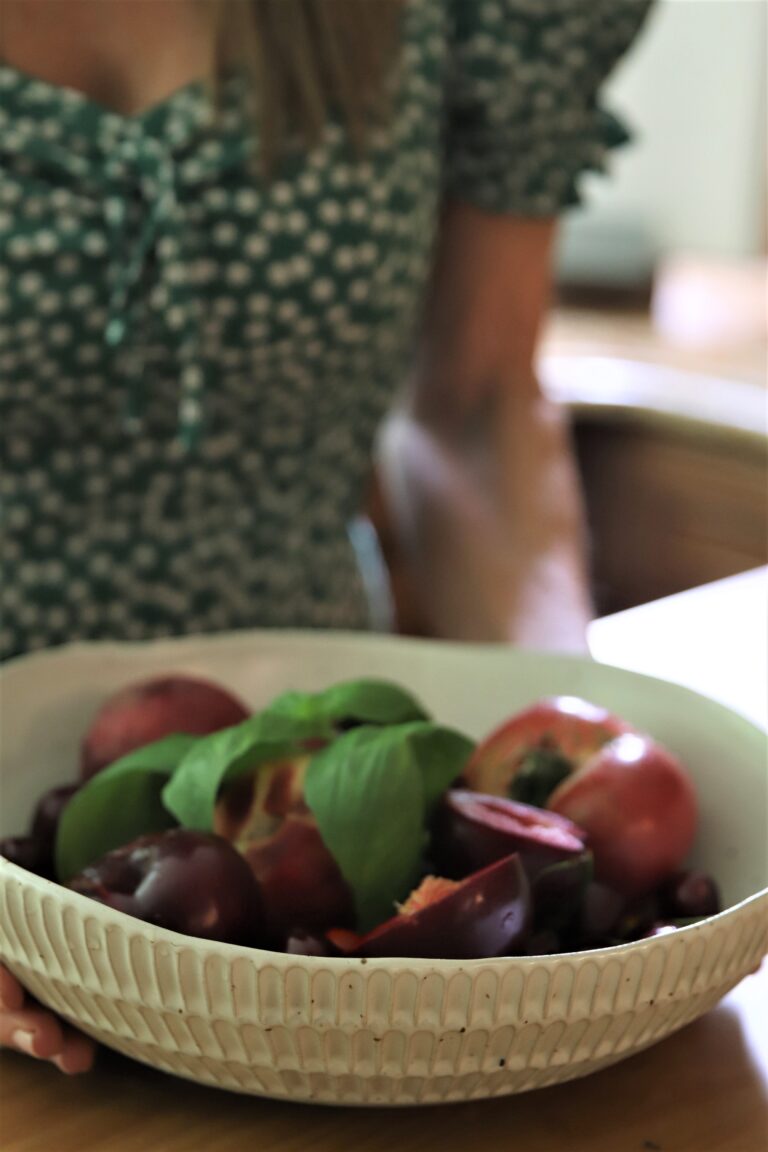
pixel 249 247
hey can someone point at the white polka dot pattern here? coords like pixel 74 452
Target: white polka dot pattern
pixel 157 296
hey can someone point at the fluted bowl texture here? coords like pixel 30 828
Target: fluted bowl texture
pixel 375 1032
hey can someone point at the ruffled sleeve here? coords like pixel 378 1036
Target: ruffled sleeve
pixel 524 121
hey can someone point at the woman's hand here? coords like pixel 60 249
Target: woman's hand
pixel 33 1030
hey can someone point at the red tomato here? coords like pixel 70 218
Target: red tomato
pixel 638 808
pixel 631 797
pixel 142 713
pixel 526 757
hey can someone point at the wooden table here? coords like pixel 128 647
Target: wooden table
pixel 705 1089
pixel 707 316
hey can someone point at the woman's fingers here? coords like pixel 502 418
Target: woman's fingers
pixel 11 992
pixel 33 1031
pixel 77 1054
pixel 38 1033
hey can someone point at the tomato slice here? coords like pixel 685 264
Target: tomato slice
pixel 472 830
pixel 487 914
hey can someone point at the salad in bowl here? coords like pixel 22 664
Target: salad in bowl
pixel 347 822
pixel 359 870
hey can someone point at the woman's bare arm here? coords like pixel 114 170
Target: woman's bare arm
pixel 476 470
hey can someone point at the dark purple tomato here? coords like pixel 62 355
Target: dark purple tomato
pixel 544 943
pixel 638 917
pixel 187 881
pixel 557 893
pixel 472 830
pixel 600 915
pixel 487 914
pixel 45 821
pixel 27 852
pixel 35 852
pixel 303 891
pixel 690 895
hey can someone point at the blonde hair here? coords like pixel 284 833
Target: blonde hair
pixel 308 58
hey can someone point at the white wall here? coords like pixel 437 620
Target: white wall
pixel 694 90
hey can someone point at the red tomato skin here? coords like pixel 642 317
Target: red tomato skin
pixel 148 710
pixel 637 805
pixel 566 724
pixel 486 914
pixel 471 830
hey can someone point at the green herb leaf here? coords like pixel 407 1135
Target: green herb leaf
pixel 283 729
pixel 364 701
pixel 371 792
pixel 438 752
pixel 537 777
pixel 118 804
pixel 212 760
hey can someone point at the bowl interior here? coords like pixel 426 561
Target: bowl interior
pixel 46 701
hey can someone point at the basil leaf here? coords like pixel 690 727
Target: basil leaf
pixel 120 803
pixel 438 752
pixel 282 729
pixel 537 777
pixel 191 793
pixel 365 701
pixel 370 792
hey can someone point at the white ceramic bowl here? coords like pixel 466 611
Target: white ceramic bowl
pixel 385 1031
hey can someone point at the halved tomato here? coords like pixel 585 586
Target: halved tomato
pixel 526 757
pixel 472 830
pixel 632 798
pixel 487 914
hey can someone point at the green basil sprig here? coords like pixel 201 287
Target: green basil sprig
pixel 372 792
pixel 289 726
pixel 120 803
pixel 360 701
pixel 214 760
pixel 370 789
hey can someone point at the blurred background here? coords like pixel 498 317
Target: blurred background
pixel 659 342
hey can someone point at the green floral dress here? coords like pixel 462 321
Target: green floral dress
pixel 193 364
